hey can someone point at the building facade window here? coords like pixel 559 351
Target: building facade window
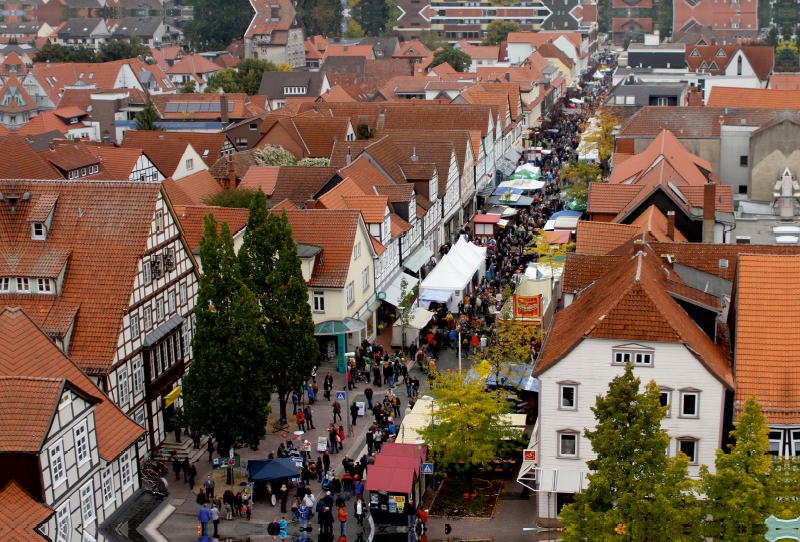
pixel 122 387
pixel 688 446
pixel 164 355
pixel 159 220
pixel 45 286
pixel 38 231
pixel 171 299
pixel 147 276
pixel 635 356
pixel 159 310
pixel 365 279
pixel 107 480
pixel 57 471
pixel 148 318
pixel 5 284
pixel 134 326
pixel 138 376
pixel 23 285
pixel 568 444
pixel 665 397
pixel 189 164
pixel 690 403
pixel 81 443
pixel 319 301
pixel 182 291
pixel 88 512
pixel 567 395
pixel 350 294
pixel 125 471
pixel 63 524
pixel 743 161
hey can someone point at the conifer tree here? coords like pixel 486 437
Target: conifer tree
pixel 227 390
pixel 147 117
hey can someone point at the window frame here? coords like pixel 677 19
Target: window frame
pixel 685 392
pixel 696 442
pixel 55 454
pixel 318 296
pixel 561 433
pixel 41 234
pixel 621 355
pixel 125 470
pixel 63 514
pixel 138 376
pixel 365 279
pixel 159 220
pixel 107 486
pixel 159 309
pixel 148 317
pixel 135 331
pixel 171 301
pixel 744 160
pixel 147 272
pixel 44 286
pixel 182 293
pixel 663 390
pixel 82 437
pixel 5 284
pixel 189 164
pixel 350 293
pixel 562 386
pixel 123 387
pixel 27 285
pixel 87 519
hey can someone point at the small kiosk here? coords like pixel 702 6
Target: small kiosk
pixel 390 489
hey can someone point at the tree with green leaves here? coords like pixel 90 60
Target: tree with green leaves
pixel 123 49
pixel 636 492
pixel 784 479
pixel 237 198
pixel 468 426
pixel 274 155
pixel 772 37
pixel 146 118
pixel 394 13
pixel 498 30
pixel 63 53
pixel 363 132
pixel 189 87
pixel 314 162
pixel 764 14
pixel 737 498
pixel 459 60
pixel 786 56
pixel 215 23
pixel 354 30
pixel 580 175
pixel 269 265
pixel 664 18
pixel 371 15
pixel 432 39
pixel 245 77
pixel 227 388
pixel 322 17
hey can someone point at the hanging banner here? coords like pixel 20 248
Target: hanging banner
pixel 527 306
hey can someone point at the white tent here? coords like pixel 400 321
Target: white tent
pixel 522 184
pixel 418 321
pixel 419 418
pixel 455 270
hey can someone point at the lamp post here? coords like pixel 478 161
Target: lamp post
pixel 535 147
pixel 459 349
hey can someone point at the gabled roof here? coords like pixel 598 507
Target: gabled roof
pixel 167 148
pixel 102 247
pixel 27 351
pixel 482 52
pixel 656 224
pixel 621 24
pixel 760 98
pixel 366 175
pixel 26 163
pixel 118 161
pixel 767 349
pixel 298 184
pixel 692 122
pixel 412 49
pixel 690 14
pixel 264 177
pixel 192 189
pixel 21 515
pixel 364 51
pixel 691 169
pixel 340 226
pixel 242 161
pixel 263 24
pixel 205 105
pixel 194 65
pixel 144 27
pixel 602 237
pixel 342 148
pixel 191 219
pixel 274 83
pixel 784 81
pixel 48 121
pixel 631 302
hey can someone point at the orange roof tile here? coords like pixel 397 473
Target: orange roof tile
pixel 300 184
pixel 655 223
pixel 784 81
pixel 348 50
pixel 767 354
pixel 193 189
pixel 398 225
pixel 194 65
pixel 602 237
pixel 340 226
pixel 762 98
pixel 667 147
pixel 26 164
pixel 265 177
pixel 27 351
pixel 118 161
pixel 379 248
pixel 21 514
pixel 611 198
pixel 631 302
pixel 191 219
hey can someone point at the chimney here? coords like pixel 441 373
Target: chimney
pixel 709 207
pixel 508 76
pixel 713 41
pixel 231 173
pixel 630 79
pixel 722 119
pixel 223 107
pixel 414 157
pixel 671 225
pixel 349 157
pixel 311 204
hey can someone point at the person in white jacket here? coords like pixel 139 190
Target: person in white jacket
pixel 215 519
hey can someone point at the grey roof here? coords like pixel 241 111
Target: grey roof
pixel 41 142
pixel 162 331
pixel 273 83
pixel 307 251
pixel 144 27
pixel 141 4
pixel 19 48
pixel 641 47
pixel 81 4
pixel 25 28
pixel 345 64
pixel 78 28
pixel 643 91
pixel 389 44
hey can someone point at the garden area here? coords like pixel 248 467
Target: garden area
pixel 471 498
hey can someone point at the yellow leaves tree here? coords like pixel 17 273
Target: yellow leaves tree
pixel 601 137
pixel 551 254
pixel 284 67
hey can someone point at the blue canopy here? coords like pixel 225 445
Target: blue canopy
pixel 516 376
pixel 265 470
pixel 502 190
pixel 439 296
pixel 565 213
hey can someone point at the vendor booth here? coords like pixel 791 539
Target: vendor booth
pixel 458 272
pixel 485 226
pixel 263 471
pixel 418 419
pixel 404 462
pixel 389 489
pixel 418 320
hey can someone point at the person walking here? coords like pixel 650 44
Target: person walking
pixel 354 412
pixel 377 436
pixel 334 437
pixel 358 487
pixel 411 513
pixel 274 528
pixel 204 515
pixel 408 381
pixel 185 469
pixel 176 468
pixel 308 413
pixel 208 485
pixel 328 386
pixel 295 400
pixel 320 471
pixel 396 406
pixel 302 512
pixel 337 410
pixel 343 520
pixel 359 508
pixel 370 442
pixel 210 448
pixel 192 473
pixel 284 496
pixel 215 518
pixel 301 420
pixel 349 380
pixel 368 394
pixel 312 395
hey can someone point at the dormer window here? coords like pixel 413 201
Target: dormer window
pixel 5 284
pixel 23 285
pixel 45 286
pixel 38 231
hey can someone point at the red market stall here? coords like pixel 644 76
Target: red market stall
pixel 486 227
pixel 390 489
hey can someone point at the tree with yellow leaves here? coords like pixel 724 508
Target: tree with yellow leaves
pixel 284 67
pixel 601 136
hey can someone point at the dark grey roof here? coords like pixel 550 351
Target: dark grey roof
pixel 141 4
pixel 25 28
pixel 144 27
pixel 77 4
pixel 307 251
pixel 41 142
pixel 19 48
pixel 643 91
pixel 162 331
pixel 345 64
pixel 389 44
pixel 78 28
pixel 273 83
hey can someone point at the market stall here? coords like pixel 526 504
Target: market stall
pixel 404 462
pixel 262 471
pixel 419 320
pixel 418 419
pixel 389 489
pixel 462 266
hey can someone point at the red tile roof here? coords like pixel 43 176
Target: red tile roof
pixel 192 189
pixel 665 147
pixel 348 50
pixel 27 351
pixel 341 226
pixel 783 81
pixel 26 164
pixel 602 237
pixel 655 223
pixel 191 219
pixel 689 14
pixel 631 302
pixel 767 351
pixel 118 161
pixel 194 65
pixel 103 247
pixel 710 58
pixel 21 514
pixel 645 24
pixel 580 270
pixel 265 177
pixel 691 122
pixel 762 98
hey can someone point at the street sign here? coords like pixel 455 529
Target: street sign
pixel 530 455
pixel 231 462
pixel 427 468
pixel 341 396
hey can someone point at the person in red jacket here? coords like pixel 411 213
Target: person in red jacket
pixel 343 520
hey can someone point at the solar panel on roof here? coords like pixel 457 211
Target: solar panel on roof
pixel 214 107
pixel 182 106
pixel 172 108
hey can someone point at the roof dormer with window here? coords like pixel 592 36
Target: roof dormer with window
pixel 41 216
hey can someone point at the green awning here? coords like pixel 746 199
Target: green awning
pixel 339 327
pixel 576 205
pixel 419 258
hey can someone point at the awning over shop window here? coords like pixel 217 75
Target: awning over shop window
pixel 162 331
pixel 172 396
pixel 393 290
pixel 339 327
pixel 419 258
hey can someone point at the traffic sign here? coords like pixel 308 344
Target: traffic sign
pixel 530 455
pixel 341 396
pixel 427 468
pixel 231 462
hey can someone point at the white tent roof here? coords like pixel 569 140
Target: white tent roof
pixel 523 184
pixel 446 276
pixel 418 321
pixel 419 418
pixel 529 167
pixel 393 291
